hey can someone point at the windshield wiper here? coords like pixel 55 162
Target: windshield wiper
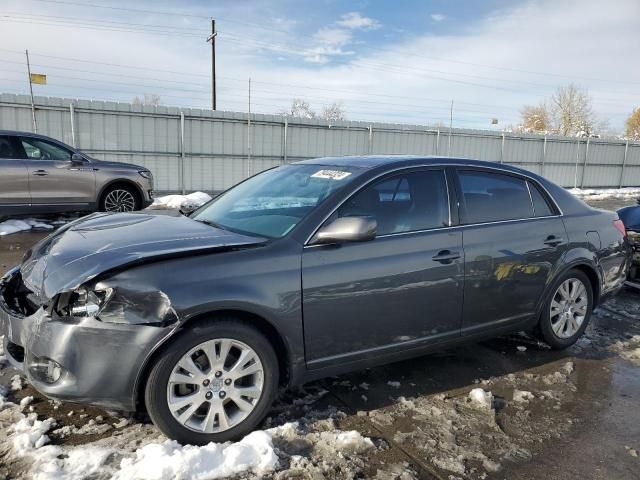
pixel 210 223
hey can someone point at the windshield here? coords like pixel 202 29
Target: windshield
pixel 272 203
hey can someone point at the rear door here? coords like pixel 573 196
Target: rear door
pixel 14 179
pixel 53 178
pixel 398 291
pixel 513 238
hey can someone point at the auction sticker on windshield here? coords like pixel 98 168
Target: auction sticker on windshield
pixel 331 174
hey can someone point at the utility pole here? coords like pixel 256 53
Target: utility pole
pixel 450 129
pixel 212 39
pixel 33 106
pixel 249 166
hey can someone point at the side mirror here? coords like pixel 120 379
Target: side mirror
pixel 77 158
pixel 347 229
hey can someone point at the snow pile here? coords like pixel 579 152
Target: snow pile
pixel 522 396
pixel 28 433
pixel 3 398
pixel 481 398
pixel 170 460
pixel 604 193
pixel 186 203
pixel 629 350
pixel 13 226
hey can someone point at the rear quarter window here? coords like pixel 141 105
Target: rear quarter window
pixel 541 204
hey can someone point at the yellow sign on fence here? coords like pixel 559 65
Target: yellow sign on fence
pixel 39 78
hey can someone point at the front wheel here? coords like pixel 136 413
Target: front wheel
pixel 215 383
pixel 567 312
pixel 120 198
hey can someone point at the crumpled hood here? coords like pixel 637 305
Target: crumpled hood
pixel 92 245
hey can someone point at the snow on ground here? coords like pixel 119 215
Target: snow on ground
pixel 312 447
pixel 181 202
pixel 604 193
pixel 13 226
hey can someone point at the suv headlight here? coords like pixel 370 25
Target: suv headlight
pixel 89 303
pixel 146 174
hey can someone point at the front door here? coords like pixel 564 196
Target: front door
pixel 514 238
pixel 14 183
pixel 401 290
pixel 53 178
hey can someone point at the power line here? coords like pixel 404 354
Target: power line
pixel 401 69
pixel 492 108
pixel 403 52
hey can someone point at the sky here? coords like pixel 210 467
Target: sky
pixel 401 61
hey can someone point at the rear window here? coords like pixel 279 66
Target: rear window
pixel 492 197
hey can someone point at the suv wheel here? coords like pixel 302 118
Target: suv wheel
pixel 567 312
pixel 120 198
pixel 215 383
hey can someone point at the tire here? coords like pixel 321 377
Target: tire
pixel 120 198
pixel 561 333
pixel 206 424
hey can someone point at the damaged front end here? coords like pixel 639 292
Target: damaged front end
pixel 78 322
pixel 85 345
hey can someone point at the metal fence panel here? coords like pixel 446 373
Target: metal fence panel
pixel 221 148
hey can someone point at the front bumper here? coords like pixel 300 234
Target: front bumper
pixel 100 362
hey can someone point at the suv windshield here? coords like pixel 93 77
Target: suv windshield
pixel 272 203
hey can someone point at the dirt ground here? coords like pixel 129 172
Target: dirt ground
pixel 549 414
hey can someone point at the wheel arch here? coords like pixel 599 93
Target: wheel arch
pixel 259 322
pixel 585 266
pixel 116 182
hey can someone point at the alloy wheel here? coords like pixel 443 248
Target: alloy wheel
pixel 569 308
pixel 119 201
pixel 215 385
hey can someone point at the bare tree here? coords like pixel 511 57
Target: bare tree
pixel 633 125
pixel 567 112
pixel 535 119
pixel 333 112
pixel 148 99
pixel 299 109
pixel 572 112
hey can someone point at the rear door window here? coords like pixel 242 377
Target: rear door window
pixel 492 197
pixel 8 148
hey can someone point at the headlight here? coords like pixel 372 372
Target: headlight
pixel 146 174
pixel 89 303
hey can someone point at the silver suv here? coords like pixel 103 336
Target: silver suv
pixel 40 175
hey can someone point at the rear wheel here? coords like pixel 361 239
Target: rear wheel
pixel 567 311
pixel 213 384
pixel 120 198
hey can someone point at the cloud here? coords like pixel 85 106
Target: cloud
pixel 354 20
pixel 332 36
pixel 330 39
pixel 437 17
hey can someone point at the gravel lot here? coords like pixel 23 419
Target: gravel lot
pixel 570 414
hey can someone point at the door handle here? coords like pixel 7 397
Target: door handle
pixel 446 256
pixel 40 173
pixel 554 241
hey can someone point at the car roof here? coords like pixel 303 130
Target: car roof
pixel 373 161
pixel 22 133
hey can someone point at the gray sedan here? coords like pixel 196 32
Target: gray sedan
pixel 302 271
pixel 40 175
